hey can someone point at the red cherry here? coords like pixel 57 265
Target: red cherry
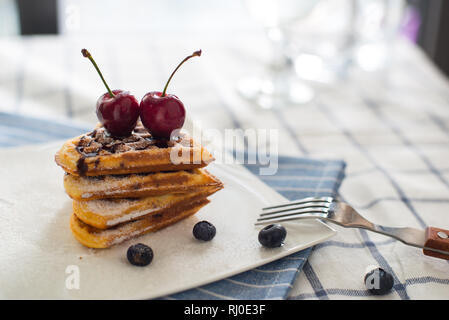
pixel 118 114
pixel 117 110
pixel 163 113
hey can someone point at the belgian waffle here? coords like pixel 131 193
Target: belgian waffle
pixel 97 238
pixel 138 185
pixel 96 153
pixel 123 188
pixel 106 213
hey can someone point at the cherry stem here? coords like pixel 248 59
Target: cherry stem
pixel 195 54
pixel 87 55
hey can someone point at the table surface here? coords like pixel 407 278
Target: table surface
pixel 391 126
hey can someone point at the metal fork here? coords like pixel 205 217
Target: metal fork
pixel 434 241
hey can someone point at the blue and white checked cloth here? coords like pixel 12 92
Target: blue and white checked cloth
pixel 391 127
pixel 271 281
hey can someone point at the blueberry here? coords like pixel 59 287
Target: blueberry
pixel 378 281
pixel 140 255
pixel 204 230
pixel 272 236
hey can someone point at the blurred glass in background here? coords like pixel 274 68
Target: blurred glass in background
pixel 313 43
pixel 318 40
pixel 278 85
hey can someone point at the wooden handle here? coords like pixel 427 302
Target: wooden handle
pixel 437 239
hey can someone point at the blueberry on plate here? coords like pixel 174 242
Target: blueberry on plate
pixel 140 255
pixel 378 281
pixel 272 236
pixel 204 230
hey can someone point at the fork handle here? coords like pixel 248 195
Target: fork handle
pixel 437 239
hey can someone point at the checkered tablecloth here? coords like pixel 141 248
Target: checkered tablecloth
pixel 296 178
pixel 390 126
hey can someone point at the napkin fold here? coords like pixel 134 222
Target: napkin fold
pixel 296 178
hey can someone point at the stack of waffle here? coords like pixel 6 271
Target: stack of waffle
pixel 123 188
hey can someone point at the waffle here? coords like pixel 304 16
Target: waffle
pixel 97 238
pixel 138 185
pixel 106 213
pixel 123 188
pixel 96 153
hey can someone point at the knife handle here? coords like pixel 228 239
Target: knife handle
pixel 437 239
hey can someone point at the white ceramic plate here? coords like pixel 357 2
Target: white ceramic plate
pixel 38 254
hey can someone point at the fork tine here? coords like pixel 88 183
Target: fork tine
pixel 301 206
pixel 295 214
pixel 258 223
pixel 289 217
pixel 301 201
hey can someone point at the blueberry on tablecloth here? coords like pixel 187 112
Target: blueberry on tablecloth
pixel 378 281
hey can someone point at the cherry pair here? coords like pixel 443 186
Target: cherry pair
pixel 161 113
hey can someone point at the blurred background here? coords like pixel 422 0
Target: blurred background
pixel 271 53
pixel 421 21
pixel 359 80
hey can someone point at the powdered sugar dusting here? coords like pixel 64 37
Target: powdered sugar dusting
pixel 109 207
pixel 130 216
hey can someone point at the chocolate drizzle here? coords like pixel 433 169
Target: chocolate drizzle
pixel 99 142
pixel 81 165
pixel 162 144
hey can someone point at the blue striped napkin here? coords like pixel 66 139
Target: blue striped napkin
pixel 296 178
